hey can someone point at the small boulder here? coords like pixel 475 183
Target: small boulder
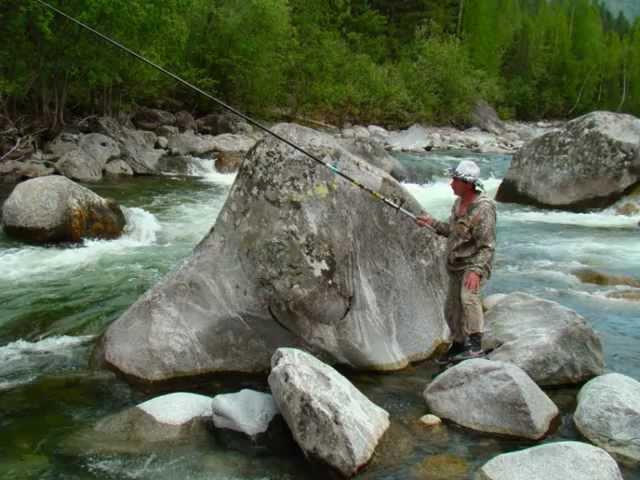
pixel 587 275
pixel 552 343
pixel 329 418
pixel 169 419
pixel 608 414
pixel 13 171
pixel 250 421
pixel 117 168
pixel 552 461
pixel 228 162
pixel 55 209
pixel 152 118
pixel 495 397
pixel 185 121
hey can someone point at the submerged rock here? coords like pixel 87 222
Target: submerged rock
pixel 590 163
pixel 330 419
pixel 552 461
pixel 298 257
pixel 494 397
pixel 552 343
pixel 608 414
pixel 55 209
pixel 169 419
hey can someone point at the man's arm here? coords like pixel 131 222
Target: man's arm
pixel 441 228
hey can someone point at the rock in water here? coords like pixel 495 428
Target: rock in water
pixel 553 461
pixel 608 414
pixel 495 397
pixel 329 418
pixel 297 257
pixel 552 343
pixel 590 163
pixel 55 209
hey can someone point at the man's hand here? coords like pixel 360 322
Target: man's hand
pixel 472 281
pixel 424 220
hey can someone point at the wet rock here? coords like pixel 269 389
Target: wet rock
pixel 176 164
pixel 587 275
pixel 152 118
pixel 162 143
pixel 169 419
pixel 631 295
pixel 287 264
pixel 493 397
pixel 590 163
pixel 430 420
pixel 330 419
pixel 552 343
pixel 55 209
pixel 608 414
pixel 250 421
pixel 167 131
pixel 552 461
pixel 629 209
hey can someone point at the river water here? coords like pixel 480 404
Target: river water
pixel 55 301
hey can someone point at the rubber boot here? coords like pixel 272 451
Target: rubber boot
pixel 455 349
pixel 473 348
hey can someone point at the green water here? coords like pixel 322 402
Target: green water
pixel 54 302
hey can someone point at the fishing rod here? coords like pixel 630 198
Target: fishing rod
pixel 229 108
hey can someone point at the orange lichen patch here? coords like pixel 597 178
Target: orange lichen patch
pixel 100 221
pixel 591 276
pixel 441 467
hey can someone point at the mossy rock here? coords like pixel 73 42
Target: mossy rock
pixel 442 467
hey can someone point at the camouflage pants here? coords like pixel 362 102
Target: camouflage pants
pixel 463 309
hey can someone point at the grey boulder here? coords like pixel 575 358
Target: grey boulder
pixel 494 397
pixel 87 161
pixel 608 414
pixel 552 461
pixel 55 209
pixel 552 343
pixel 330 419
pixel 298 257
pixel 590 163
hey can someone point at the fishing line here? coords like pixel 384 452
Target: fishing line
pixel 229 108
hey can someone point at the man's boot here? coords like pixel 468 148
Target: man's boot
pixel 473 348
pixel 455 349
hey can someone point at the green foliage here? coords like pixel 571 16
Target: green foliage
pixel 387 61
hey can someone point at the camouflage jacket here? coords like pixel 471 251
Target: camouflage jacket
pixel 471 238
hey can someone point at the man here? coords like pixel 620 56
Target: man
pixel 471 241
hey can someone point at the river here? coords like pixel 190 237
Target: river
pixel 55 301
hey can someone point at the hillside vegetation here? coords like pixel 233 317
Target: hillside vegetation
pixel 387 61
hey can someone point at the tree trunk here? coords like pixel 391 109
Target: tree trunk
pixel 624 86
pixel 460 16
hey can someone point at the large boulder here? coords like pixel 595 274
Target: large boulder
pixel 297 257
pixel 86 162
pixel 13 171
pixel 330 419
pixel 552 343
pixel 55 209
pixel 590 163
pixel 374 152
pixel 486 118
pixel 608 414
pixel 170 419
pixel 552 461
pixel 493 397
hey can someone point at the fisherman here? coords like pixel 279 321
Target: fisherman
pixel 471 242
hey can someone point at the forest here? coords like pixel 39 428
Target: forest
pixel 391 62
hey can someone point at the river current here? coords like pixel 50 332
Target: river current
pixel 55 301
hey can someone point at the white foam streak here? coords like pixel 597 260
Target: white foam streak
pixel 604 219
pixel 27 262
pixel 205 169
pixel 56 345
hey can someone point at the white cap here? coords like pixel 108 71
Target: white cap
pixel 468 171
